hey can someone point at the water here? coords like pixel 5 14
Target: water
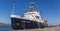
pixel 4 27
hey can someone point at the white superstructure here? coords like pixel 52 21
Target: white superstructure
pixel 33 15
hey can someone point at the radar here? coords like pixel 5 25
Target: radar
pixel 31 5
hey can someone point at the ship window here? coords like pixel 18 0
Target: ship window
pixel 37 17
pixel 37 11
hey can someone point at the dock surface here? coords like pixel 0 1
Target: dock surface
pixel 39 29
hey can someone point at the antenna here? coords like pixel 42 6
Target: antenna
pixel 13 8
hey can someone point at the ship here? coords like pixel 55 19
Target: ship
pixel 31 19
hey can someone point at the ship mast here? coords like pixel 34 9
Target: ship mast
pixel 13 8
pixel 31 5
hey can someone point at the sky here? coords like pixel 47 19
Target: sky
pixel 49 9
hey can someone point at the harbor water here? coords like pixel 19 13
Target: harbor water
pixel 4 27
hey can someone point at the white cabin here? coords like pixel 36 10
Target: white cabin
pixel 33 15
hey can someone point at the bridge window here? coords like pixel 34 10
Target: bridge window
pixel 37 17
